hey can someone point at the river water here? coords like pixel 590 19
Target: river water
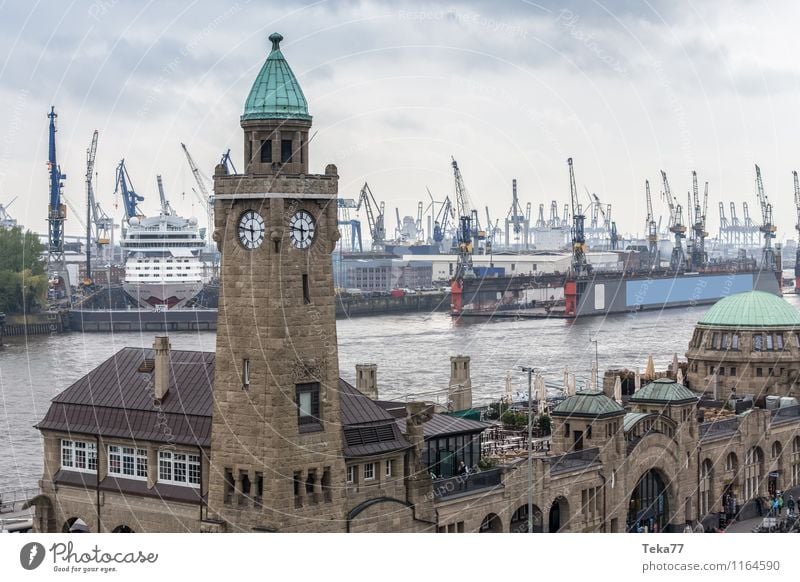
pixel 412 352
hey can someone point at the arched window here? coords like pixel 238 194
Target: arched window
pixel 731 462
pixel 796 461
pixel 706 485
pixel 753 472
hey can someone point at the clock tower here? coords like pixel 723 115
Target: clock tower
pixel 276 450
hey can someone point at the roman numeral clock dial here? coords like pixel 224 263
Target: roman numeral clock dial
pixel 251 230
pixel 301 229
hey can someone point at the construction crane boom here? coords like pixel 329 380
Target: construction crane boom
pixel 580 265
pixel 91 153
pixel 767 227
pixel 125 188
pixel 375 217
pixel 205 198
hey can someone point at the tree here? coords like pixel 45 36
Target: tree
pixel 23 282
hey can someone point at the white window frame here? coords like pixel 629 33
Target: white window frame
pixel 369 471
pixel 388 467
pixel 351 474
pixel 72 447
pixel 134 457
pixel 171 459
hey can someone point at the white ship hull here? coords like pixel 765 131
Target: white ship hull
pixel 172 295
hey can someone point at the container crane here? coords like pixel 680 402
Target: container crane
pixel 724 227
pixel 678 260
pixel 797 228
pixel 698 255
pixel 418 224
pixel 351 240
pixel 748 227
pixel 652 230
pixel 767 227
pixel 204 197
pixel 555 221
pixel 125 188
pixel 565 217
pixel 166 208
pixel 516 221
pixel 375 217
pixel 541 222
pixel 580 266
pixel 440 223
pixel 736 226
pixel 56 215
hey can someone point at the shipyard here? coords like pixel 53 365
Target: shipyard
pixel 296 288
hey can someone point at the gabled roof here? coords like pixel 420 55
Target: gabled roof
pixel 443 425
pixel 589 404
pixel 664 391
pixel 276 94
pixel 752 309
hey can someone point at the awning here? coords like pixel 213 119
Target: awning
pixel 181 253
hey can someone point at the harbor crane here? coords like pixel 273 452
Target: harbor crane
pixel 517 221
pixel 767 227
pixel 227 162
pixel 677 261
pixel 375 217
pixel 555 221
pixel 468 233
pixel 609 226
pixel 580 265
pixel 350 240
pixel 441 222
pixel 541 222
pixel 56 215
pixel 166 208
pixel 652 230
pixel 418 224
pixel 698 255
pixel 205 198
pixel 736 225
pixel 797 228
pixel 724 226
pixel 96 216
pixel 5 218
pixel 129 196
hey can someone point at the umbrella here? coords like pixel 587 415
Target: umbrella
pixel 541 393
pixel 679 378
pixel 618 389
pixel 572 389
pixel 650 370
pixel 509 394
pixel 566 381
pixel 593 379
pixel 637 381
pixel 674 363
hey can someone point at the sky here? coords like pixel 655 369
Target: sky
pixel 510 89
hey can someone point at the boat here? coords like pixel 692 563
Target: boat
pixel 163 269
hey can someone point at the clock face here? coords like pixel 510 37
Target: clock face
pixel 251 230
pixel 301 229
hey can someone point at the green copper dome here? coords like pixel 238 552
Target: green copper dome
pixel 752 309
pixel 276 94
pixel 664 390
pixel 588 403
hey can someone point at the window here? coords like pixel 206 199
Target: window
pixel 770 345
pixel 779 341
pixel 759 372
pixel 259 495
pixel 389 468
pixel 308 404
pixel 266 151
pixel 179 468
pixel 732 371
pixel 286 151
pixel 722 370
pixel 757 341
pixel 127 462
pixel 706 476
pixel 306 290
pixel 351 474
pixel 245 374
pixel 725 337
pixel 796 461
pixel 327 494
pixel 79 456
pixel 369 471
pixel 229 486
pixel 714 337
pixel 735 341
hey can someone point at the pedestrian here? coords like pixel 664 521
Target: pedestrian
pixel 790 504
pixel 775 507
pixel 759 506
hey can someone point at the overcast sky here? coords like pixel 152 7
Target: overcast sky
pixel 510 89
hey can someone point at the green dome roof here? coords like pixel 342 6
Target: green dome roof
pixel 663 390
pixel 752 309
pixel 276 94
pixel 590 403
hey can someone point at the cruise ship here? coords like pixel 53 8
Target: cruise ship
pixel 162 268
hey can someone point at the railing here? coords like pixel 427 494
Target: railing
pixel 466 483
pixel 785 413
pixel 574 460
pixel 14 500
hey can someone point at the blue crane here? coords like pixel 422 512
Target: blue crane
pixel 56 211
pixel 125 188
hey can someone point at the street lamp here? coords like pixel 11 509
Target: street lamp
pixel 530 372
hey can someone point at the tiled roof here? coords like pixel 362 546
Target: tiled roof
pixel 664 390
pixel 276 94
pixel 444 424
pixel 588 403
pixel 752 309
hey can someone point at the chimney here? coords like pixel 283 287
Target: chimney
pixel 367 380
pixel 459 390
pixel 161 347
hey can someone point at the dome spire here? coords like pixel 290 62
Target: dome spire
pixel 275 38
